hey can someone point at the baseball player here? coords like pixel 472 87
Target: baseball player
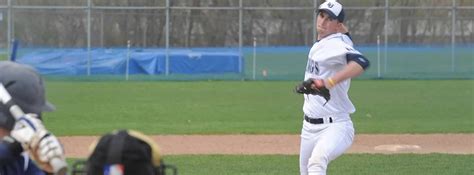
pixel 27 91
pixel 327 129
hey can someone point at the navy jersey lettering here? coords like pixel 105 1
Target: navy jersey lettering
pixel 312 67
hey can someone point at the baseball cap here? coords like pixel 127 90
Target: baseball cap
pixel 26 88
pixel 334 9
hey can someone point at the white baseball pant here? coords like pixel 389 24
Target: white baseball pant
pixel 322 143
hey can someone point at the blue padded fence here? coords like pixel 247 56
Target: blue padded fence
pixel 271 63
pixel 141 61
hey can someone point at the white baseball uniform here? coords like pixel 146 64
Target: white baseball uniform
pixel 333 132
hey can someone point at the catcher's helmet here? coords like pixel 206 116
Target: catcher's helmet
pixel 124 152
pixel 26 88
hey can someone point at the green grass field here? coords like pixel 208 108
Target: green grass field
pixel 259 107
pixel 3 57
pixel 348 164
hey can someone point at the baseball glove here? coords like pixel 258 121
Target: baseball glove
pixel 313 87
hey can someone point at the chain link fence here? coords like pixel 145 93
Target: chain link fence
pixel 402 38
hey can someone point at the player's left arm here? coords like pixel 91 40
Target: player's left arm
pixel 356 65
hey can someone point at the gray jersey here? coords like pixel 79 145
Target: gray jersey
pixel 326 58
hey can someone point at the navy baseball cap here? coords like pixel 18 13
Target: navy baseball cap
pixel 26 88
pixel 333 9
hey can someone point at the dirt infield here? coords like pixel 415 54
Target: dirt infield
pixel 77 146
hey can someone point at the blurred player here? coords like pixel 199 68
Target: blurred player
pixel 332 61
pixel 123 152
pixel 27 90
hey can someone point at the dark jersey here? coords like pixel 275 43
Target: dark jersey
pixel 16 164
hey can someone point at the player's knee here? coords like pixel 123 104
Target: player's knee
pixel 304 169
pixel 318 164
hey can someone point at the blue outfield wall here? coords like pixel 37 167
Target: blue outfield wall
pixel 142 61
pixel 271 63
pixel 396 62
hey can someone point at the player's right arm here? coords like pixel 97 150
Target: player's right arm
pixel 343 29
pixel 346 37
pixel 351 70
pixel 356 65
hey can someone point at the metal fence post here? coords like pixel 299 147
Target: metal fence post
pixel 313 26
pixel 9 28
pixel 386 36
pixel 453 35
pixel 378 57
pixel 167 37
pixel 89 8
pixel 241 8
pixel 254 63
pixel 101 29
pixel 127 63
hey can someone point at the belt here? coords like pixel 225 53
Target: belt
pixel 316 120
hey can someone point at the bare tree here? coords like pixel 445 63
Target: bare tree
pixel 211 27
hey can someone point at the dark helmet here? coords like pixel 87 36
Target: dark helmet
pixel 127 152
pixel 26 87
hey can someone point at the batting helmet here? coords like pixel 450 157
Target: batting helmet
pixel 26 88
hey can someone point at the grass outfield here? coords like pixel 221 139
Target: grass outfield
pixel 439 164
pixel 259 107
pixel 3 57
pixel 347 164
